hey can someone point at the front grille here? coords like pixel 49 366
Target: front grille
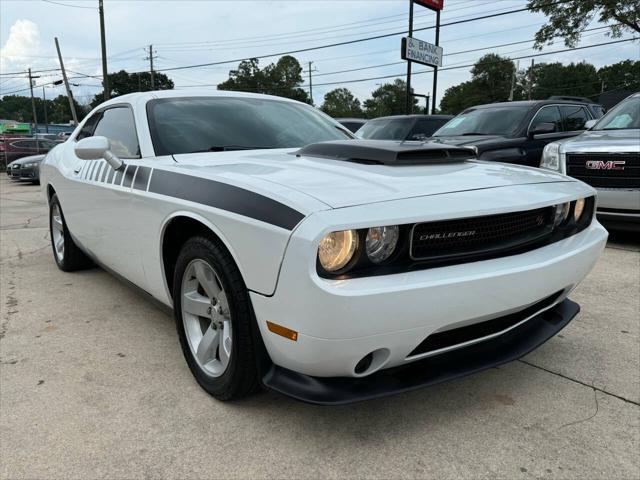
pixel 449 239
pixel 457 336
pixel 605 169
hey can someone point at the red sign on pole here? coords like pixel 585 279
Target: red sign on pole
pixel 432 4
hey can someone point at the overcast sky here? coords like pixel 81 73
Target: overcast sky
pixel 193 32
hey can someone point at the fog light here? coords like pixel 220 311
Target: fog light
pixel 578 209
pixel 364 364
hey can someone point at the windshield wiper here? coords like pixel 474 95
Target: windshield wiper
pixel 474 133
pixel 228 148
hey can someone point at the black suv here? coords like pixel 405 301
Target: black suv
pixel 516 132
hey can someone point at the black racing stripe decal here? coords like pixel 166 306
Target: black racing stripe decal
pixel 110 175
pixel 94 165
pixel 140 183
pixel 128 176
pixel 105 170
pixel 119 173
pixel 86 172
pixel 96 174
pixel 225 197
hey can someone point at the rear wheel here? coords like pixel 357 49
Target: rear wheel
pixel 66 253
pixel 213 319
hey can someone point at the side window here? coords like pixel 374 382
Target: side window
pixel 549 114
pixel 89 126
pixel 117 125
pixel 575 117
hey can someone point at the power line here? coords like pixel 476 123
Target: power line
pixel 359 40
pixel 67 5
pixel 472 64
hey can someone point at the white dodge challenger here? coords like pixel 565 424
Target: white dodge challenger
pixel 323 267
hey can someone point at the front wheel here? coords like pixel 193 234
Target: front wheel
pixel 66 253
pixel 213 318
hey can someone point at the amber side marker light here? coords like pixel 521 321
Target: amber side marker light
pixel 282 331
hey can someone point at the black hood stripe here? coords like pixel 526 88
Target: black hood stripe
pixel 225 197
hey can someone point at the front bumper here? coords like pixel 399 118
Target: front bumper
pixel 619 209
pixel 441 368
pixel 340 322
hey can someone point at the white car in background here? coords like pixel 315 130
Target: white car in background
pixel 607 157
pixel 326 268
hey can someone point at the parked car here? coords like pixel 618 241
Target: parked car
pixel 402 127
pixel 26 169
pixel 323 267
pixel 595 108
pixel 353 124
pixel 13 148
pixel 607 157
pixel 515 132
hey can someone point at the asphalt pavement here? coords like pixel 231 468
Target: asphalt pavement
pixel 93 385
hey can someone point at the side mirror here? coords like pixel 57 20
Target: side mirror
pixel 590 123
pixel 96 148
pixel 542 128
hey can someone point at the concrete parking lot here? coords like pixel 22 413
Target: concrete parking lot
pixel 93 385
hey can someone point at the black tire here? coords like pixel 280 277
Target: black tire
pixel 241 376
pixel 73 259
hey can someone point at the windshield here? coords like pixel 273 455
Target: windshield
pixel 499 120
pixel 624 116
pixel 202 124
pixel 386 129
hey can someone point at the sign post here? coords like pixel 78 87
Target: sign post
pixel 426 53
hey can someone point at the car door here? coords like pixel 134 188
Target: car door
pixel 534 144
pixel 99 208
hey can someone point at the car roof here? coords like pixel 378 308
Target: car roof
pixel 415 115
pixel 530 103
pixel 155 94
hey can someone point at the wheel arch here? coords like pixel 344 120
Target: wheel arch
pixel 176 230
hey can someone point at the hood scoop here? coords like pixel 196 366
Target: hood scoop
pixel 386 152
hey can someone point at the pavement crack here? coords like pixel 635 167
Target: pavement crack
pixel 595 398
pixel 580 382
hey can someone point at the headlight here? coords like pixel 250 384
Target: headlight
pixel 381 242
pixel 336 249
pixel 578 209
pixel 562 213
pixel 551 157
pixel 29 165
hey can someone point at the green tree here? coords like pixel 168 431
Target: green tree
pixel 388 99
pixel 491 79
pixel 17 107
pixel 123 82
pixel 340 103
pixel 623 75
pixel 570 18
pixel 282 78
pixel 577 79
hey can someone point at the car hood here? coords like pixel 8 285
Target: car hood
pixel 465 140
pixel 604 141
pixel 339 183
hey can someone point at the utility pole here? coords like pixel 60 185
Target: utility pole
pixel 150 58
pixel 105 76
pixel 44 102
pixel 33 107
pixel 72 105
pixel 409 98
pixel 435 68
pixel 513 80
pixel 530 86
pixel 310 71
